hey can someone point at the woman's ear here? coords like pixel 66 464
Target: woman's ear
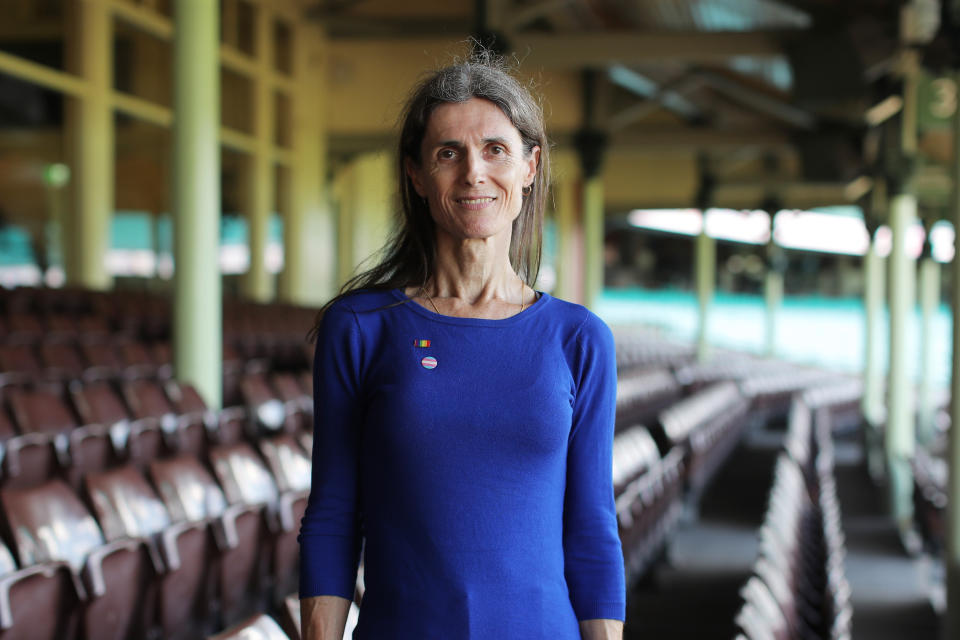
pixel 533 161
pixel 413 172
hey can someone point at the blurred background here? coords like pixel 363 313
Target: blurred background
pixel 755 192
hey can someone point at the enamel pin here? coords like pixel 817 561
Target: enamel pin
pixel 421 343
pixel 429 362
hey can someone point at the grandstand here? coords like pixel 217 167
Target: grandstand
pixel 758 196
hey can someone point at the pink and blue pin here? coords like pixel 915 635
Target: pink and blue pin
pixel 429 362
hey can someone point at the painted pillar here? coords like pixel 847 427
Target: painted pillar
pixel 197 309
pixel 93 157
pixel 258 283
pixel 705 265
pixel 309 270
pixel 929 302
pixel 951 616
pixel 593 232
pixel 773 292
pixel 365 197
pixel 569 259
pixel 901 428
pixel 872 405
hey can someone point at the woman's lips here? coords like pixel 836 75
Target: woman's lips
pixel 476 203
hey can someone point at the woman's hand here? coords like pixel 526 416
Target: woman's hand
pixel 599 629
pixel 323 617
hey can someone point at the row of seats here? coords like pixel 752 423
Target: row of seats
pixel 175 550
pixel 71 430
pixel 798 589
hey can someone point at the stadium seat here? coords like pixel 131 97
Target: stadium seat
pixel 136 440
pixel 49 523
pixel 185 433
pixel 126 506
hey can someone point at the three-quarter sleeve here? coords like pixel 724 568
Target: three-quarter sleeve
pixel 593 560
pixel 330 531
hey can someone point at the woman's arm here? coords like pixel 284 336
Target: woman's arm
pixel 597 630
pixel 325 617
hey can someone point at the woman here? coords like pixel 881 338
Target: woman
pixel 464 421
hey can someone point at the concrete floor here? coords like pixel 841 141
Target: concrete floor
pixel 696 593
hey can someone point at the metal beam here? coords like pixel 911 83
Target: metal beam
pixel 758 101
pixel 579 50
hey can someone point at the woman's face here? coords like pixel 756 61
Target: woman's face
pixel 473 169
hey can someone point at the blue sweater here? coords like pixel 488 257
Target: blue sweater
pixel 473 458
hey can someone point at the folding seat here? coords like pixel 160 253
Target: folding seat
pixel 185 433
pixel 138 440
pixel 18 364
pixel 136 360
pixel 60 360
pixel 102 360
pixel 50 440
pixel 246 481
pixel 126 506
pixel 298 403
pixel 49 523
pixel 224 426
pixel 291 468
pixel 268 414
pixel 23 328
pixel 39 602
pixel 261 627
pixel 192 495
pixel 162 355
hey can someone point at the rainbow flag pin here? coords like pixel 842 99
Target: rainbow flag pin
pixel 421 343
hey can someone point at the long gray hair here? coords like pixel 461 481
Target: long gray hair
pixel 408 258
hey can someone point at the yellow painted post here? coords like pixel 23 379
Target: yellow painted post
pixel 951 618
pixel 901 428
pixel 92 132
pixel 365 194
pixel 345 194
pixel 773 296
pixel 929 303
pixel 705 265
pixel 309 270
pixel 197 332
pixel 569 263
pixel 593 231
pixel 258 284
pixel 872 405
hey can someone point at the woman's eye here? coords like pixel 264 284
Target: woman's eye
pixel 497 150
pixel 446 154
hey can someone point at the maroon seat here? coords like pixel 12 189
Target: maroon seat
pixel 185 433
pixel 269 414
pixel 49 523
pixel 61 361
pixel 192 495
pixel 50 440
pixel 23 328
pixel 127 507
pixel 39 602
pixel 224 427
pixel 299 404
pixel 102 360
pixel 261 626
pixel 139 440
pixel 136 359
pixel 291 468
pixel 18 364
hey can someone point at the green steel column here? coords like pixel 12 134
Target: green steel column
pixel 307 236
pixel 593 222
pixel 873 385
pixel 93 149
pixel 951 622
pixel 705 263
pixel 773 294
pixel 372 205
pixel 901 427
pixel 197 305
pixel 569 263
pixel 929 301
pixel 258 283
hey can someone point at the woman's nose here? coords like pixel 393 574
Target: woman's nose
pixel 474 170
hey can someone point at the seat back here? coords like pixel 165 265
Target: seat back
pixel 40 411
pixel 243 475
pixel 258 627
pixel 187 489
pixel 287 461
pixel 49 523
pixel 125 504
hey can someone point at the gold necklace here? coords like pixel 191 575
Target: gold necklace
pixel 434 304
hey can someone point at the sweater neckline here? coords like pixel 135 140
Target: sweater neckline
pixel 528 312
